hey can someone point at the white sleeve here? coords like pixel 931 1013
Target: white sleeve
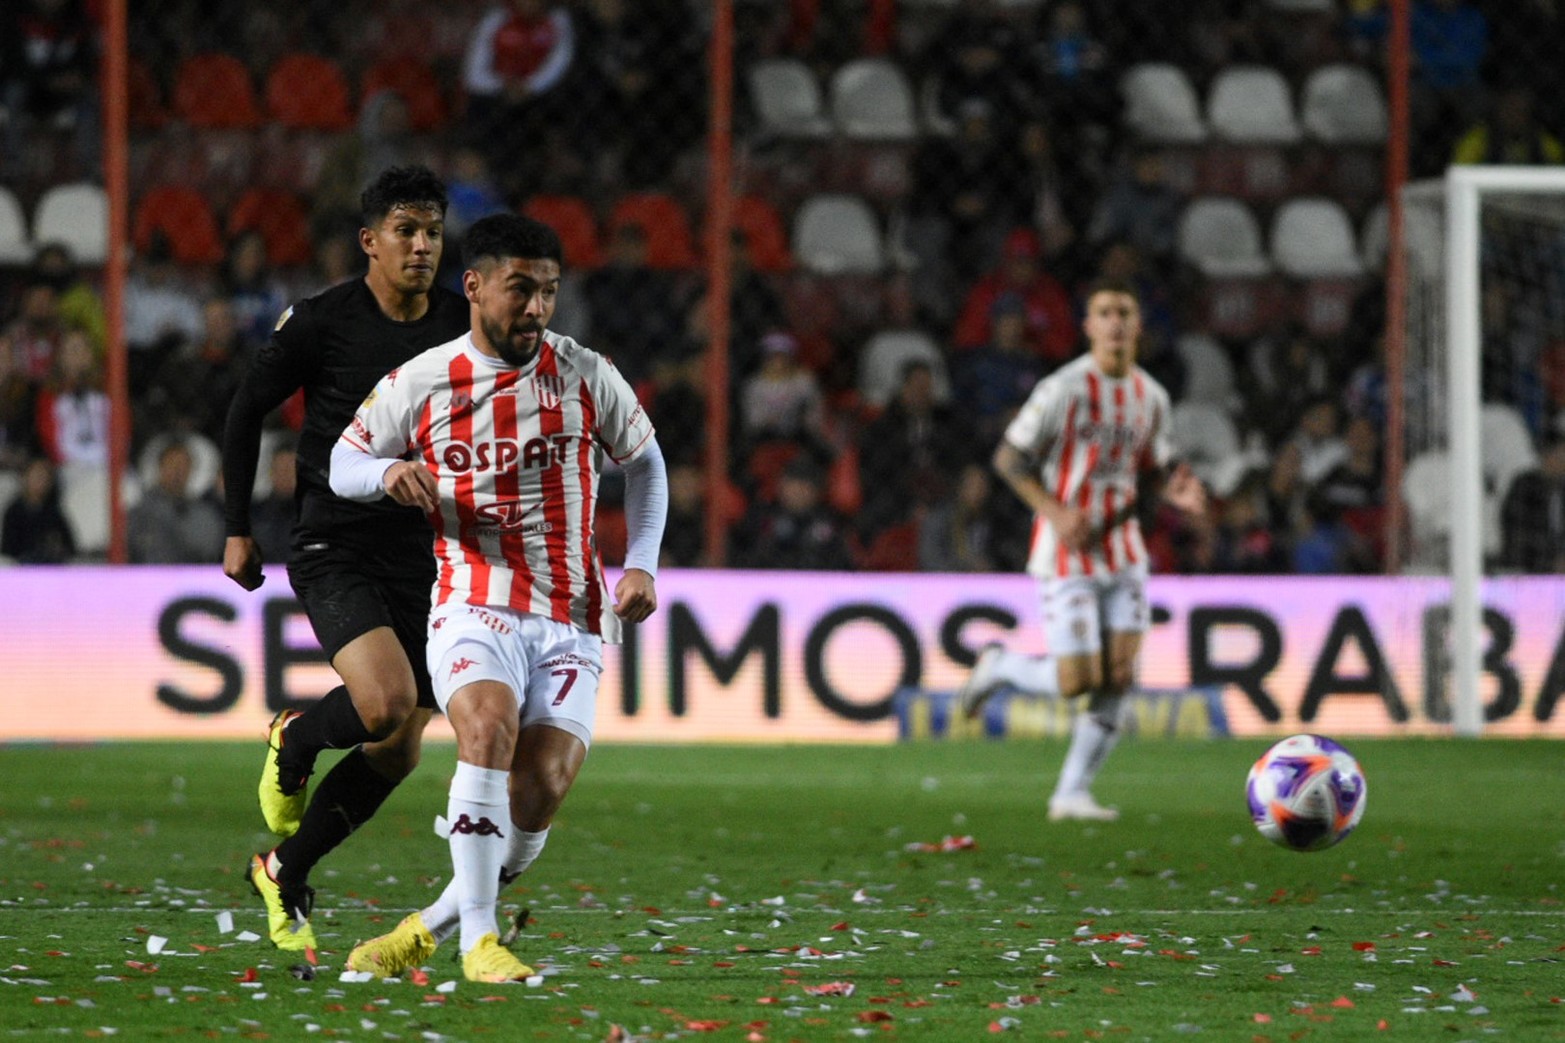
pixel 1040 419
pixel 646 507
pixel 356 475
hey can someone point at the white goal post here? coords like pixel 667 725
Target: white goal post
pixel 1465 191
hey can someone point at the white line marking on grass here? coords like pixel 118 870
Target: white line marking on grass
pixel 858 912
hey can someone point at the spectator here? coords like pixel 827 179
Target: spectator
pixel 34 336
pixel 956 535
pixel 1140 207
pixel 254 294
pixel 517 57
pixel 992 381
pixel 72 409
pixel 684 536
pixel 1532 515
pixel 382 138
pixel 192 389
pixel 979 54
pixel 798 530
pixel 160 312
pixel 1510 134
pixel 79 305
pixel 35 530
pixel 1056 187
pixel 782 399
pixel 1051 324
pixel 1075 79
pixel 18 414
pixel 173 525
pixel 1355 489
pixel 635 308
pixel 1322 544
pixel 271 516
pixel 1287 370
pixel 1320 445
pixel 48 67
pixel 471 190
pixel 911 453
pixel 1245 544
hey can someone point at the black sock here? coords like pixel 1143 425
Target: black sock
pixel 331 724
pixel 347 797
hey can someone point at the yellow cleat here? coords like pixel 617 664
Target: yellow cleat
pixel 407 945
pixel 287 912
pixel 282 810
pixel 492 962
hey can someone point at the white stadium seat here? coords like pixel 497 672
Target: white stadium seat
pixel 872 99
pixel 787 98
pixel 882 360
pixel 1313 238
pixel 1251 105
pixel 78 216
pixel 15 247
pixel 1209 373
pixel 1342 105
pixel 1161 104
pixel 835 234
pixel 1222 239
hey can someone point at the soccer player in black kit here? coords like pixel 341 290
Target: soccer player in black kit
pixel 363 570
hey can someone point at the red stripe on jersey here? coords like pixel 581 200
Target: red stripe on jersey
pixel 1109 502
pixel 1084 501
pixel 1062 490
pixel 1119 424
pixel 591 567
pixel 1094 398
pixel 460 372
pixel 508 489
pixel 551 422
pixel 437 518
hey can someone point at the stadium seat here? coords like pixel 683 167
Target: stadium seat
pixel 308 92
pixel 764 466
pixel 214 90
pixel 765 235
pixel 1222 239
pixel 1506 446
pixel 1426 489
pixel 1209 373
pixel 282 221
pixel 1313 239
pixel 934 119
pixel 184 217
pixel 15 245
pixel 1204 436
pixel 573 219
pixel 670 242
pixel 837 234
pixel 1251 105
pixel 872 100
pixel 884 356
pixel 84 499
pixel 844 490
pixel 1342 105
pixel 417 85
pixel 77 215
pixel 787 98
pixel 1161 104
pixel 143 97
pixel 893 549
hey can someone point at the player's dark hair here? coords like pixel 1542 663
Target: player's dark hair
pixel 1108 284
pixel 401 186
pixel 501 236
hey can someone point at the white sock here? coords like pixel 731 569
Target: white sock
pixel 480 826
pixel 1094 735
pixel 445 915
pixel 1033 674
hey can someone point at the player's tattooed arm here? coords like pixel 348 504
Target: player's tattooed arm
pixel 1021 471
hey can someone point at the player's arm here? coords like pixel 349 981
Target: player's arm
pixel 369 460
pixel 1020 470
pixel 276 372
pixel 1164 477
pixel 646 513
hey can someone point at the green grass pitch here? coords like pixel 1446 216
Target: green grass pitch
pixel 782 893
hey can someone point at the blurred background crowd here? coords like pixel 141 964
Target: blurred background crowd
pixel 924 189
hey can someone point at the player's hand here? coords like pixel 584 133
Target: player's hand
pixel 1185 491
pixel 242 562
pixel 413 485
pixel 1073 527
pixel 635 596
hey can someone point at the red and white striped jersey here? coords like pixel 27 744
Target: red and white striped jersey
pixel 1093 434
pixel 515 453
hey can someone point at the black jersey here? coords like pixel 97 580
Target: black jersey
pixel 336 346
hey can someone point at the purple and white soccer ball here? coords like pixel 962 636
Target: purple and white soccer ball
pixel 1306 793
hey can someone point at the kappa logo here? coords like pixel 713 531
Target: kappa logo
pixel 461 400
pixel 460 665
pixel 483 827
pixel 549 389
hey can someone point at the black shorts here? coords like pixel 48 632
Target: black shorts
pixel 351 586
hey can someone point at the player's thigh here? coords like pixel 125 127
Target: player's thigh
pixel 562 683
pixel 1126 617
pixel 1073 631
pixel 379 677
pixel 473 655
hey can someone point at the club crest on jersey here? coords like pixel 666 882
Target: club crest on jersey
pixel 549 389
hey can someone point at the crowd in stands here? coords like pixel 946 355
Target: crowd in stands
pixel 871 376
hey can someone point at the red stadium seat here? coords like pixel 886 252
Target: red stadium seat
pixel 144 98
pixel 765 466
pixel 308 92
pixel 765 234
pixel 893 549
pixel 670 242
pixel 416 83
pixel 282 221
pixel 214 91
pixel 572 218
pixel 184 217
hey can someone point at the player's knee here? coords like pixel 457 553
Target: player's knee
pixel 548 784
pixel 1122 677
pixel 394 760
pixel 384 706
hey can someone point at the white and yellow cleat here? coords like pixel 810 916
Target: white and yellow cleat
pixel 405 946
pixel 287 911
pixel 981 682
pixel 492 962
pixel 282 809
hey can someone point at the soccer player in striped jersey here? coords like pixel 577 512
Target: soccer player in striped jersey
pixel 497 435
pixel 1076 453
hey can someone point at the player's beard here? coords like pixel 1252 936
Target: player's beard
pixel 499 338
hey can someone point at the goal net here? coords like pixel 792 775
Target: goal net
pixel 1483 293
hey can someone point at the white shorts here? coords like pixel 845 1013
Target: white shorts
pixel 551 668
pixel 1077 609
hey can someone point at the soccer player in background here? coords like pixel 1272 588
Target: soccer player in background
pixel 363 570
pixel 497 434
pixel 1075 453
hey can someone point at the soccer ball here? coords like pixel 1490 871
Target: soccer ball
pixel 1306 793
